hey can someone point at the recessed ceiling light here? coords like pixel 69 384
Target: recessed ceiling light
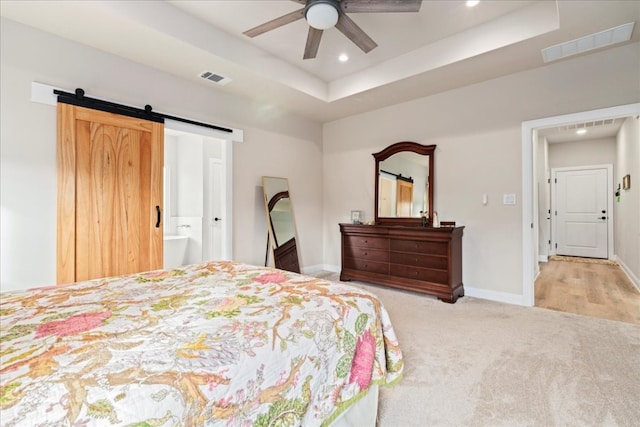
pixel 343 57
pixel 581 131
pixel 471 3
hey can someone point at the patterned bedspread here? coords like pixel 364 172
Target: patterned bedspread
pixel 222 343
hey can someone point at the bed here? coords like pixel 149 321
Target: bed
pixel 220 343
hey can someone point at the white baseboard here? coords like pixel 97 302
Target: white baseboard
pixel 634 279
pixel 320 267
pixel 472 292
pixel 495 296
pixel 543 258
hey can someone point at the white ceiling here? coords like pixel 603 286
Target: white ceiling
pixel 444 46
pixel 396 33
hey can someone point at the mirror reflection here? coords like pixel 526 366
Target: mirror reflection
pixel 281 240
pixel 403 185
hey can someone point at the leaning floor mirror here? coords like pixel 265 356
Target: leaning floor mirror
pixel 281 225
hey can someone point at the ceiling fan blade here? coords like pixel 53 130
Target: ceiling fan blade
pixel 275 23
pixel 313 42
pixel 355 33
pixel 380 6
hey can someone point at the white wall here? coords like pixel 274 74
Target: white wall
pixel 285 157
pixel 185 157
pixel 277 143
pixel 627 219
pixel 477 132
pixel 583 153
pixel 189 176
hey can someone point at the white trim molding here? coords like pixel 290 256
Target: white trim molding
pixel 310 270
pixel 494 296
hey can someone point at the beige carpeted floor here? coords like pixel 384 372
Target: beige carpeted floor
pixel 481 363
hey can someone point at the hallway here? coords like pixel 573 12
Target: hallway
pixel 589 287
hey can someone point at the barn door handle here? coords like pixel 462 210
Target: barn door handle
pixel 158 217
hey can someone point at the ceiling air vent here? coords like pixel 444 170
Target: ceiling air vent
pixel 213 77
pixel 619 34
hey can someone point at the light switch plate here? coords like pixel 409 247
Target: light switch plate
pixel 509 199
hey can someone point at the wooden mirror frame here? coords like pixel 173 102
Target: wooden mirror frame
pixel 399 147
pixel 284 254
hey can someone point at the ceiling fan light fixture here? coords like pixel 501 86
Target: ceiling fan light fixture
pixel 322 14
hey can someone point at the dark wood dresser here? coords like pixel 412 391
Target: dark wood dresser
pixel 420 259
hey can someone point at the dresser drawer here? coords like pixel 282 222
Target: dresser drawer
pixel 417 246
pixel 366 265
pixel 419 260
pixel 365 253
pixel 424 274
pixel 367 242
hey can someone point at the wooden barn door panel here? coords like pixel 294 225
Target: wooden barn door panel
pixel 117 179
pixel 405 198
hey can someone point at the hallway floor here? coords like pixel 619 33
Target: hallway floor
pixel 588 288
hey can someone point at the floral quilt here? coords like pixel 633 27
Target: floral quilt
pixel 220 344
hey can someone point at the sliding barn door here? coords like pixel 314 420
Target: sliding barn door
pixel 404 201
pixel 109 194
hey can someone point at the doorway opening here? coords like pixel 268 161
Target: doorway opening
pixel 197 194
pixel 533 174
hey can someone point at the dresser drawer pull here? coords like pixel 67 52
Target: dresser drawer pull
pixel 366 253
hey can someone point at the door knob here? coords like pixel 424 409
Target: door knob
pixel 604 211
pixel 603 217
pixel 216 219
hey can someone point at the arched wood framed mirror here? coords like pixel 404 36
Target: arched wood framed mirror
pixel 281 242
pixel 404 183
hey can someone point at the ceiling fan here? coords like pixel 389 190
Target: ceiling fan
pixel 324 14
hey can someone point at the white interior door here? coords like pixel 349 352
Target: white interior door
pixel 386 196
pixel 581 212
pixel 216 209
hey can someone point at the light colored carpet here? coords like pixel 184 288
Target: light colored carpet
pixel 481 363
